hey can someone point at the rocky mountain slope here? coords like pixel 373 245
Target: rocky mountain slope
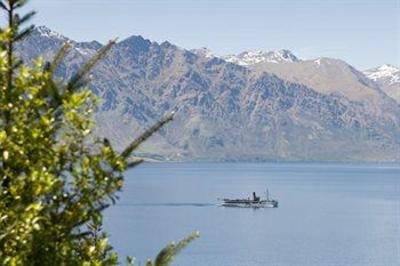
pixel 326 75
pixel 225 111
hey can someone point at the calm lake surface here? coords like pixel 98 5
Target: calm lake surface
pixel 328 215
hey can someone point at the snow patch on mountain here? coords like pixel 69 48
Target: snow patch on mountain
pixel 317 61
pixel 84 48
pixel 248 58
pixel 85 51
pixel 387 74
pixel 204 51
pixel 46 32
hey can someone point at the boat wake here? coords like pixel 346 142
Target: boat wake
pixel 170 204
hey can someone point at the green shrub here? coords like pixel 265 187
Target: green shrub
pixel 56 178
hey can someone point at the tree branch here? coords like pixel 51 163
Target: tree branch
pixel 147 134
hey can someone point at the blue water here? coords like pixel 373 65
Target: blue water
pixel 328 215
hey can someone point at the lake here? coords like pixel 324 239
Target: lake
pixel 329 214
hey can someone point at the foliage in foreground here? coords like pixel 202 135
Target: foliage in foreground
pixel 167 255
pixel 56 178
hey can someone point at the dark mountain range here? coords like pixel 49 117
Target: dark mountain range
pixel 227 111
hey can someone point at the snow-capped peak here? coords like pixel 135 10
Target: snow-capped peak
pixel 248 58
pixel 386 74
pixel 84 48
pixel 254 57
pixel 46 32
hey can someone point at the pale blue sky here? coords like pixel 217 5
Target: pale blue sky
pixel 365 33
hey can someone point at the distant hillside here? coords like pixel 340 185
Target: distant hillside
pixel 227 111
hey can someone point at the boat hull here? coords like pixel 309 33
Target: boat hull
pixel 249 204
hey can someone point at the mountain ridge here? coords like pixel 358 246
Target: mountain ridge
pixel 288 66
pixel 224 111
